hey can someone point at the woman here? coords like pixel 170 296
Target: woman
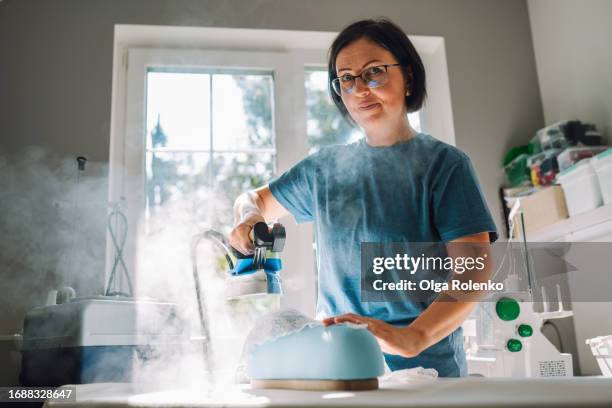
pixel 396 185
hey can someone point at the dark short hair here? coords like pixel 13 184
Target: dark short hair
pixel 389 36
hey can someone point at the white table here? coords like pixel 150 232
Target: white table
pixel 464 392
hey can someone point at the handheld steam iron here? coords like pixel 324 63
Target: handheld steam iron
pixel 258 273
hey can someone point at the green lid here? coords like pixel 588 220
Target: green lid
pixel 514 345
pixel 515 152
pixel 507 309
pixel 525 330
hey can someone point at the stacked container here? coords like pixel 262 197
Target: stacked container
pixel 573 155
pixel 602 163
pixel 581 187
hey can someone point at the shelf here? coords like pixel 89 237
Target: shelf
pixel 592 225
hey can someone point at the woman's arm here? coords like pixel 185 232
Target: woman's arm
pixel 250 208
pixel 440 319
pixel 450 309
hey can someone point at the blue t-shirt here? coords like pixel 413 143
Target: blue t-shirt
pixel 419 190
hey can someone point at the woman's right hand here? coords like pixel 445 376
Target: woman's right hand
pixel 250 208
pixel 240 238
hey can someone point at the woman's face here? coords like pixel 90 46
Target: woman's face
pixel 372 108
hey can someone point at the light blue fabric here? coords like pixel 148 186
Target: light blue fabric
pixel 420 190
pixel 318 353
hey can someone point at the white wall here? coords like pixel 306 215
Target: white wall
pixel 571 40
pixel 573 56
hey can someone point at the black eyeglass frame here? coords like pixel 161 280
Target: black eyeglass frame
pixel 337 87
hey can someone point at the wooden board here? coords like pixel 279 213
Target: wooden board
pixel 318 385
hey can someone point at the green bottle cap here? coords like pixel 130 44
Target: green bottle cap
pixel 525 330
pixel 507 309
pixel 514 345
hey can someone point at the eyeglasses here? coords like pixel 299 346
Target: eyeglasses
pixel 372 77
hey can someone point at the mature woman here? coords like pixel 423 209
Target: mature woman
pixel 396 185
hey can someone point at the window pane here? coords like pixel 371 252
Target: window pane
pixel 179 103
pixel 242 111
pixel 177 177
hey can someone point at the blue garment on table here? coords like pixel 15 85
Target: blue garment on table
pixel 419 190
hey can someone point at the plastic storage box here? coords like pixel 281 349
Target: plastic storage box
pixel 551 137
pixel 573 155
pixel 581 188
pixel 601 347
pixel 602 163
pixel 567 133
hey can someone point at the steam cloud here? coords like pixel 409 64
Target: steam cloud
pixel 53 218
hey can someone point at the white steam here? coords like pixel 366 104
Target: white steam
pixel 54 219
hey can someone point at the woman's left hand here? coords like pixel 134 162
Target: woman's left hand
pixel 403 341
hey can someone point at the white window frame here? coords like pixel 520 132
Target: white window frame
pixel 287 53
